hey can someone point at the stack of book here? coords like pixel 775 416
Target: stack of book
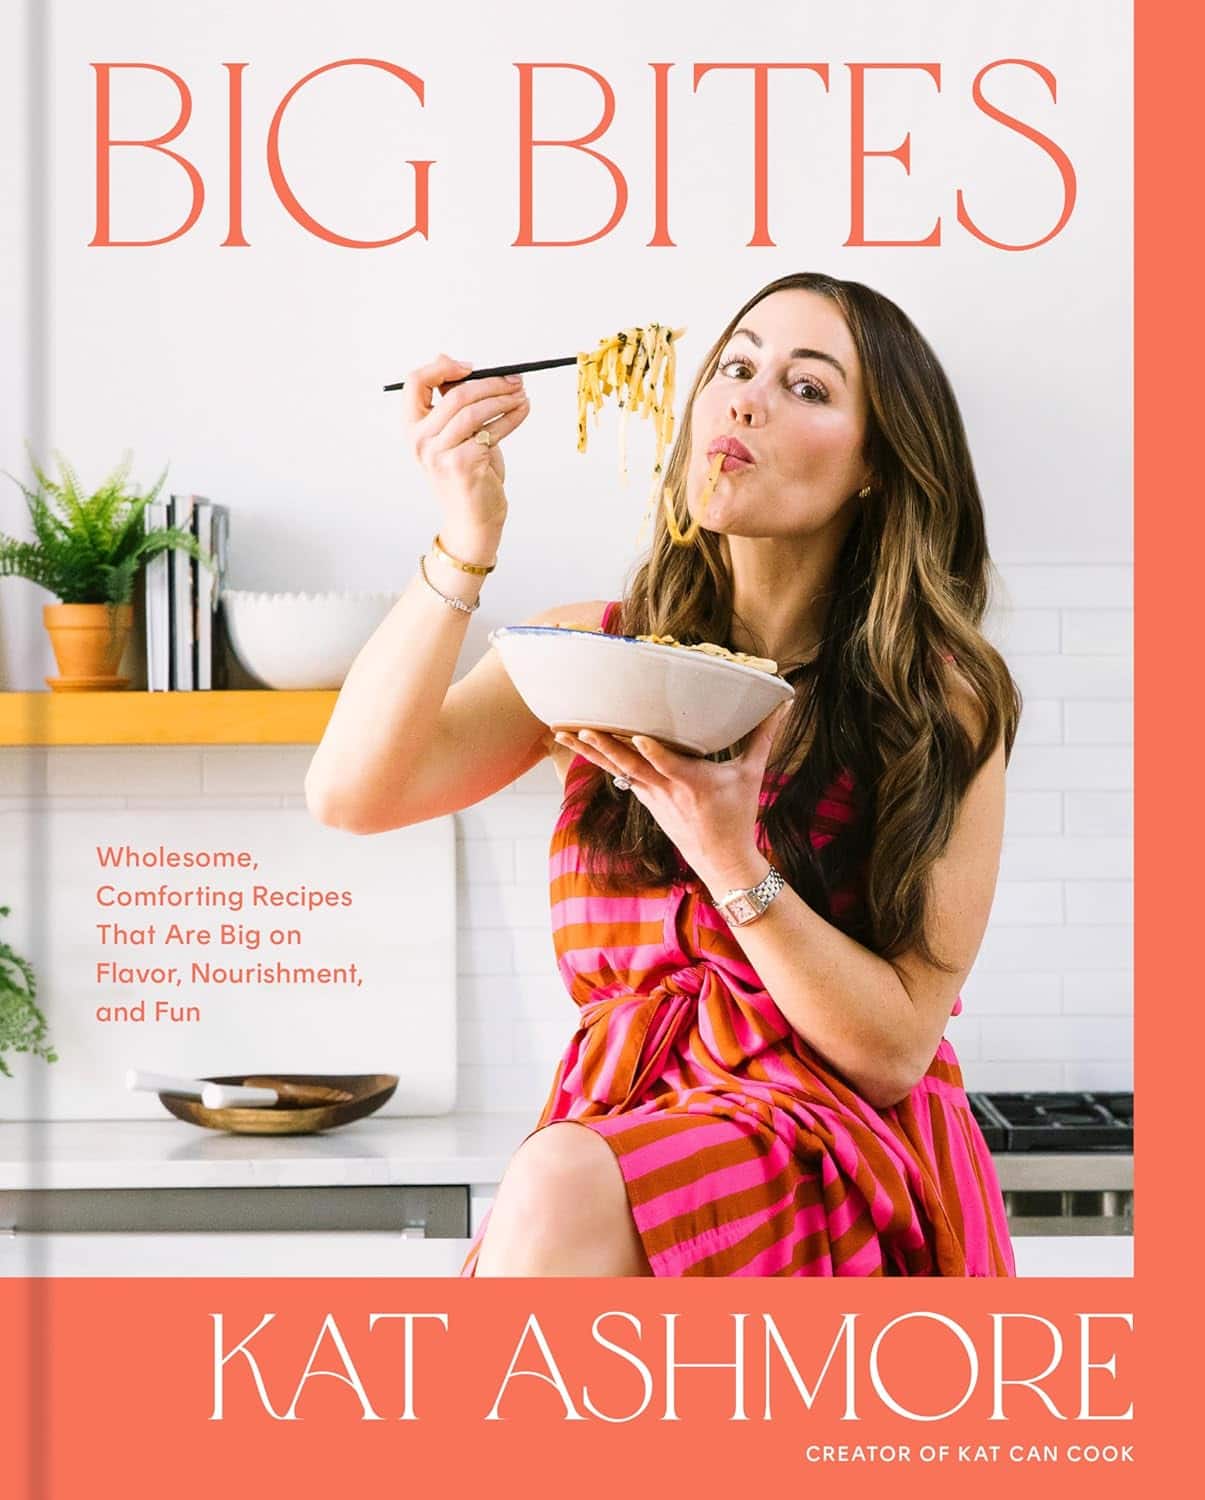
pixel 184 637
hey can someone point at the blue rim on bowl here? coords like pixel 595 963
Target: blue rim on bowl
pixel 632 640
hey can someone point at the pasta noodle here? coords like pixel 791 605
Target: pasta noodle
pixel 639 364
pixel 631 363
pixel 760 663
pixel 684 538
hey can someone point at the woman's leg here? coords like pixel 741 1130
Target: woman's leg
pixel 562 1210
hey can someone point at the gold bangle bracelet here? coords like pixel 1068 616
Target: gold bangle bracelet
pixel 465 567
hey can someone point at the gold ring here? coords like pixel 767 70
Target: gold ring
pixel 482 436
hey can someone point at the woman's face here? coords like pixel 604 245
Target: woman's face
pixel 787 396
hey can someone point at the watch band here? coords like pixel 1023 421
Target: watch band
pixel 741 907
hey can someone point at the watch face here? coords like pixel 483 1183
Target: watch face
pixel 741 909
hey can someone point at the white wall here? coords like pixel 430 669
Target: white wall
pixel 256 372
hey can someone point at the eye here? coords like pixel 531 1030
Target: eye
pixel 805 383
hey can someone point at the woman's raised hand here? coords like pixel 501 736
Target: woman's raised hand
pixel 466 474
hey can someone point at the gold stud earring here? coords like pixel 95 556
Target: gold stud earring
pixel 863 493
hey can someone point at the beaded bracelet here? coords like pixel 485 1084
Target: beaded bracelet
pixel 465 567
pixel 447 599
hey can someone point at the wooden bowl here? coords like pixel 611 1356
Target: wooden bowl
pixel 368 1090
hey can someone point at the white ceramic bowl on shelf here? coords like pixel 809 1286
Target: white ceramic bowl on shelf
pixel 299 641
pixel 689 700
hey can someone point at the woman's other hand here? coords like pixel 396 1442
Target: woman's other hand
pixel 707 808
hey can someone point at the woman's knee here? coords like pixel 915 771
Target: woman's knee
pixel 562 1202
pixel 562 1172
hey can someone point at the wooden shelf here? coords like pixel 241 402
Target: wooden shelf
pixel 125 718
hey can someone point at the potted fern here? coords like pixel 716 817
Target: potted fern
pixel 22 1024
pixel 87 551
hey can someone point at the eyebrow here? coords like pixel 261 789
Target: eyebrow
pixel 797 353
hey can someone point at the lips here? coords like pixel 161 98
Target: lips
pixel 735 452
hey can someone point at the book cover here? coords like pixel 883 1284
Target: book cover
pixel 895 249
pixel 182 586
pixel 157 607
pixel 219 648
pixel 211 528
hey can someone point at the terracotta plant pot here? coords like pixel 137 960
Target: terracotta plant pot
pixel 88 644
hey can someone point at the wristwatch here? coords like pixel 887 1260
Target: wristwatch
pixel 740 907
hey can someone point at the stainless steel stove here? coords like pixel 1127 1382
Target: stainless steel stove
pixel 1065 1160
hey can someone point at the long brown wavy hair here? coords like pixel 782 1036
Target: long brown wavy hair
pixel 911 582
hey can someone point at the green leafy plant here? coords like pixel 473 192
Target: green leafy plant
pixel 22 1024
pixel 88 548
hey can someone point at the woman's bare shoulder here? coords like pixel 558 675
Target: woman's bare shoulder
pixel 964 700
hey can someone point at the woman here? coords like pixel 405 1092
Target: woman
pixel 774 1097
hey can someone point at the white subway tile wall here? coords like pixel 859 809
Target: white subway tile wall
pixel 1049 1001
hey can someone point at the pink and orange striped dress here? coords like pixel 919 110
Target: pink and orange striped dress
pixel 743 1152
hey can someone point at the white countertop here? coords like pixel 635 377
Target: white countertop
pixel 381 1254
pixel 461 1147
pixel 420 1149
pixel 301 1253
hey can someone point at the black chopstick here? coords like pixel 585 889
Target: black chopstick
pixel 533 364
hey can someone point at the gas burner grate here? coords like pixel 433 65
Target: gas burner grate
pixel 1055 1121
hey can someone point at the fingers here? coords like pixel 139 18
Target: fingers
pixel 463 412
pixel 423 382
pixel 614 756
pixel 467 393
pixel 594 753
pixel 464 408
pixel 470 416
pixel 762 738
pixel 663 762
pixel 581 745
pixel 502 426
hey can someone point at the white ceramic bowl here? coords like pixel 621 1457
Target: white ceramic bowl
pixel 295 641
pixel 689 700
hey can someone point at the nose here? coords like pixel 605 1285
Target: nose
pixel 746 406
